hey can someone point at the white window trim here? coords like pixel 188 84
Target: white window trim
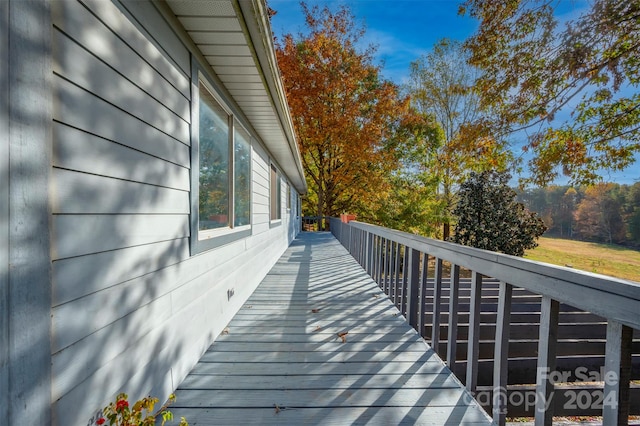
pixel 204 240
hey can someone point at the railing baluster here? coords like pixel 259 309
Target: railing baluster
pixel 396 277
pixel 370 252
pixel 501 355
pixel 422 318
pixel 376 260
pixel 413 288
pixel 363 248
pixel 437 295
pixel 452 338
pixel 388 263
pixel 405 282
pixel 617 367
pixel 547 344
pixel 473 340
pixel 381 261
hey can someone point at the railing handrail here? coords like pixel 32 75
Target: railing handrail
pixel 602 295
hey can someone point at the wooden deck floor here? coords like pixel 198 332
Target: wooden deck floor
pixel 282 361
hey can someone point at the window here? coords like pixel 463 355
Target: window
pixel 242 177
pixel 221 155
pixel 276 197
pixel 213 126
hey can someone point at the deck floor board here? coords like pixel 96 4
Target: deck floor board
pixel 281 360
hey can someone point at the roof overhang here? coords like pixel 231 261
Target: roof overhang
pixel 235 39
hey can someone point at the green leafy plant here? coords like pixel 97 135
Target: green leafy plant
pixel 120 413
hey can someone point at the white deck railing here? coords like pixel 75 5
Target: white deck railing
pixel 398 262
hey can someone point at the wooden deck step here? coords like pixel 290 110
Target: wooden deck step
pixel 284 359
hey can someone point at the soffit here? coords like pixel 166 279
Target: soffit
pixel 236 41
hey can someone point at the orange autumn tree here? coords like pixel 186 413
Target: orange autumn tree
pixel 344 113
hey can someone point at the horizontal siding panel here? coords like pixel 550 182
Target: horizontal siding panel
pixel 261 224
pixel 82 68
pixel 260 199
pixel 137 58
pixel 79 109
pixel 81 193
pixel 74 149
pixel 206 314
pixel 79 276
pixel 75 363
pixel 261 177
pixel 148 17
pixel 76 320
pixel 77 235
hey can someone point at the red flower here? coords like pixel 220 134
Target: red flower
pixel 121 404
pixel 100 421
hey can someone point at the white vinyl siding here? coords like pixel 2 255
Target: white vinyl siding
pixel 132 308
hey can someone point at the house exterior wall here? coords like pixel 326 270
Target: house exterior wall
pixel 120 303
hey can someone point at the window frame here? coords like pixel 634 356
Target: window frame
pixel 203 240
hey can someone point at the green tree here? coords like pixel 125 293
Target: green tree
pixel 598 215
pixel 534 69
pixel 440 86
pixel 489 217
pixel 412 204
pixel 633 221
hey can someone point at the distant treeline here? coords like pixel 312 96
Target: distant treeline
pixel 607 213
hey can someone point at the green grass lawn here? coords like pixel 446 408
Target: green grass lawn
pixel 603 259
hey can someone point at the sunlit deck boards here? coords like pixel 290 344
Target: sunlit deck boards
pixel 282 361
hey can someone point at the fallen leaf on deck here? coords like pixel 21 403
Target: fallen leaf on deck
pixel 249 307
pixel 225 331
pixel 375 296
pixel 315 310
pixel 277 408
pixel 343 336
pixel 318 328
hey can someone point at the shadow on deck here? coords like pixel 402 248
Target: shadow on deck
pixel 281 360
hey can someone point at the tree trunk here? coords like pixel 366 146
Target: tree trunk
pixel 320 208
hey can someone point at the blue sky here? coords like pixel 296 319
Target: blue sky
pixel 403 30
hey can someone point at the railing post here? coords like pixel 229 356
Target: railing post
pixel 413 288
pixel 452 338
pixel 473 340
pixel 423 295
pixel 617 367
pixel 501 355
pixel 437 295
pixel 547 344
